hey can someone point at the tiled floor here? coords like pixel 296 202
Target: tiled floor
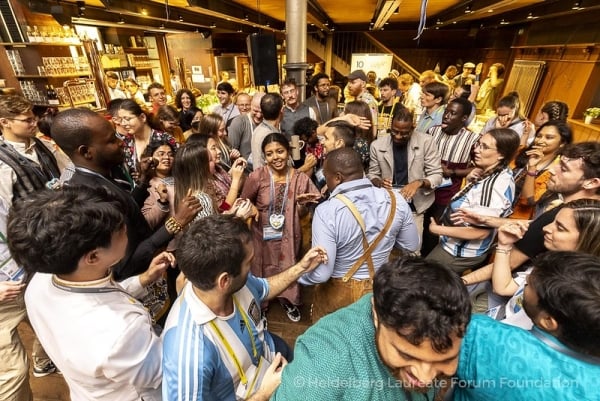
pixel 54 388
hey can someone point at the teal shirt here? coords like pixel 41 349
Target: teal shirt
pixel 337 359
pixel 502 362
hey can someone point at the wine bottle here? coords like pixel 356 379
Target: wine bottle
pixel 52 97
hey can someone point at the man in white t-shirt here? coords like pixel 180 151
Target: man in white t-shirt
pixel 93 328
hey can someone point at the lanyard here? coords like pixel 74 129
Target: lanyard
pixel 235 360
pixel 87 290
pixel 285 194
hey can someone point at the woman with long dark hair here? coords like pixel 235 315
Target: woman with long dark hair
pixel 186 104
pixel 281 194
pixel 532 169
pixel 490 192
pixel 132 119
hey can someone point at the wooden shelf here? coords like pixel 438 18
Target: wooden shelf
pixel 83 74
pixel 137 49
pixel 26 44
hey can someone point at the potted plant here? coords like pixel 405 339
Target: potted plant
pixel 591 113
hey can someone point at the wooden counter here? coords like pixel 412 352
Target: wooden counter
pixel 585 132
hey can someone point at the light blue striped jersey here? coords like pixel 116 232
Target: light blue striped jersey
pixel 196 365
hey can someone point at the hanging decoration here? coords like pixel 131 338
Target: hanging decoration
pixel 422 19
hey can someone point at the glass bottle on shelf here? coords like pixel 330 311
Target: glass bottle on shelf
pixel 51 95
pixel 43 35
pixel 35 35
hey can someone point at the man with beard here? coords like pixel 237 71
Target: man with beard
pixel 407 160
pixel 455 143
pixel 242 127
pixel 97 153
pixel 215 343
pixel 292 109
pixel 357 87
pixel 323 105
pixel 388 105
pixel 395 344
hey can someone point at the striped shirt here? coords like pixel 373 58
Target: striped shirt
pixel 196 364
pixel 492 196
pixel 455 151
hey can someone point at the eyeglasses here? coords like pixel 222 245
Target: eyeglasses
pixel 30 120
pixel 483 146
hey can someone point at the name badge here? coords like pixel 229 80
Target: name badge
pixel 269 233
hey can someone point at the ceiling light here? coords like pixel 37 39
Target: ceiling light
pixel 213 25
pixel 246 17
pixel 530 16
pixel 491 10
pixel 469 9
pixel 143 11
pixel 161 26
pixel 121 20
pixel 180 18
pixel 504 22
pixel 240 30
pixel 576 6
pixel 438 22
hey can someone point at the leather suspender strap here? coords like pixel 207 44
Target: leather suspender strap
pixel 368 248
pixel 365 242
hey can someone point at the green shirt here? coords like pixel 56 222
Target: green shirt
pixel 337 359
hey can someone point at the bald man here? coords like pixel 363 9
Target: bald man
pixel 358 219
pixel 241 128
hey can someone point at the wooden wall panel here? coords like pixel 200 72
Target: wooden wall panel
pixel 572 75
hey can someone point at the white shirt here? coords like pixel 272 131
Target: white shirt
pixel 103 342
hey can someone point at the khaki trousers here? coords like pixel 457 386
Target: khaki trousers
pixel 14 367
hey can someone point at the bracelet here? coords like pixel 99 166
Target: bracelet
pixel 532 173
pixel 173 226
pixel 503 250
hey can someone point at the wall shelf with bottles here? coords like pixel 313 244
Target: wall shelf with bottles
pixel 34 67
pixel 53 76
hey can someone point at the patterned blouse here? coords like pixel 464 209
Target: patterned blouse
pixel 131 157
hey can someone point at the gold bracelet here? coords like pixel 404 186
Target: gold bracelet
pixel 173 226
pixel 505 251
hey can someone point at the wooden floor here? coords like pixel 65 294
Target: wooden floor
pixel 54 388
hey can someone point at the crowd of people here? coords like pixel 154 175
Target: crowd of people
pixel 145 246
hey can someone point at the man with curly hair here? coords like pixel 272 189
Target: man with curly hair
pixel 395 344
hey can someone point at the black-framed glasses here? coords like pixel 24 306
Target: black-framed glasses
pixel 30 120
